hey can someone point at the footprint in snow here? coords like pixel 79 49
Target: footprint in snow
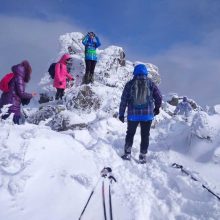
pixel 82 179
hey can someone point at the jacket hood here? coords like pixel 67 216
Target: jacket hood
pixel 140 69
pixel 18 70
pixel 65 57
pixel 23 69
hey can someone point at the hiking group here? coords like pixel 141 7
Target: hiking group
pixel 140 96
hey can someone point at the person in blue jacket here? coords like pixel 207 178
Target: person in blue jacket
pixel 183 108
pixel 143 100
pixel 91 42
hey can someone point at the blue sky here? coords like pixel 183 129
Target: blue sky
pixel 180 37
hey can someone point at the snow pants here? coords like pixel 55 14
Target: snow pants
pixel 90 68
pixel 145 133
pixel 59 94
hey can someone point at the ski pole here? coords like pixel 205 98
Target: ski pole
pixel 175 165
pixel 103 199
pixel 93 190
pixel 111 178
pixel 104 173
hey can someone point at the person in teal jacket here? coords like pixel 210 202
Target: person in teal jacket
pixel 91 42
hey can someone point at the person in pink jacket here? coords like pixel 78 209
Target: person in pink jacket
pixel 61 74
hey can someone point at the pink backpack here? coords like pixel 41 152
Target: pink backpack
pixel 5 81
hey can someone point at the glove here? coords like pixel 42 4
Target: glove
pixel 122 119
pixel 156 111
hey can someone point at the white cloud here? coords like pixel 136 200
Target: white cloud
pixel 192 69
pixel 31 39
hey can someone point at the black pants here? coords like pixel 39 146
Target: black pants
pixel 16 118
pixel 59 94
pixel 90 68
pixel 145 133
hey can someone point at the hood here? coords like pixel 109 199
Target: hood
pixel 65 57
pixel 18 70
pixel 185 99
pixel 140 69
pixel 23 69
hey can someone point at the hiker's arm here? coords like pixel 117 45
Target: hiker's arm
pixel 156 96
pixel 124 100
pixel 20 88
pixel 85 40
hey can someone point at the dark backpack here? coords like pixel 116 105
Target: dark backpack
pixel 51 70
pixel 140 93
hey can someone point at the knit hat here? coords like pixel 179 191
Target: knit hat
pixel 140 69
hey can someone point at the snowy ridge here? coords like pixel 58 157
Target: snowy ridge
pixel 45 168
pixel 45 174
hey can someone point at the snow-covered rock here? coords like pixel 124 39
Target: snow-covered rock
pixel 201 126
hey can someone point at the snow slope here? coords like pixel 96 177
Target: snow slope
pixel 49 175
pixel 45 174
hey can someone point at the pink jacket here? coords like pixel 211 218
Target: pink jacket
pixel 61 73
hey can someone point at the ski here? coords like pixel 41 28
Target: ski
pixel 183 170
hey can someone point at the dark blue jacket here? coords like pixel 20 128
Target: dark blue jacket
pixel 145 114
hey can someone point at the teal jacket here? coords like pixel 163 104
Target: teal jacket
pixel 90 47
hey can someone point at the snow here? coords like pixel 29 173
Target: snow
pixel 45 174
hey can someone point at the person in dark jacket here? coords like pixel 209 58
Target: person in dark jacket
pixel 139 113
pixel 91 42
pixel 16 90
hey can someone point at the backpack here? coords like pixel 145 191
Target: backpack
pixel 5 81
pixel 140 93
pixel 51 70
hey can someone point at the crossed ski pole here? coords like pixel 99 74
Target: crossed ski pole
pixel 106 172
pixel 178 166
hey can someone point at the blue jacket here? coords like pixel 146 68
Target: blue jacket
pixel 146 113
pixel 90 47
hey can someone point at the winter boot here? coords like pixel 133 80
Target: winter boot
pixel 126 156
pixel 142 158
pixel 86 78
pixel 91 80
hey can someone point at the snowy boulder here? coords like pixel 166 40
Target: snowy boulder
pixel 216 155
pixel 73 40
pixel 59 122
pixel 44 113
pixel 217 109
pixel 174 101
pixel 44 98
pixel 85 100
pixel 62 122
pixel 201 126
